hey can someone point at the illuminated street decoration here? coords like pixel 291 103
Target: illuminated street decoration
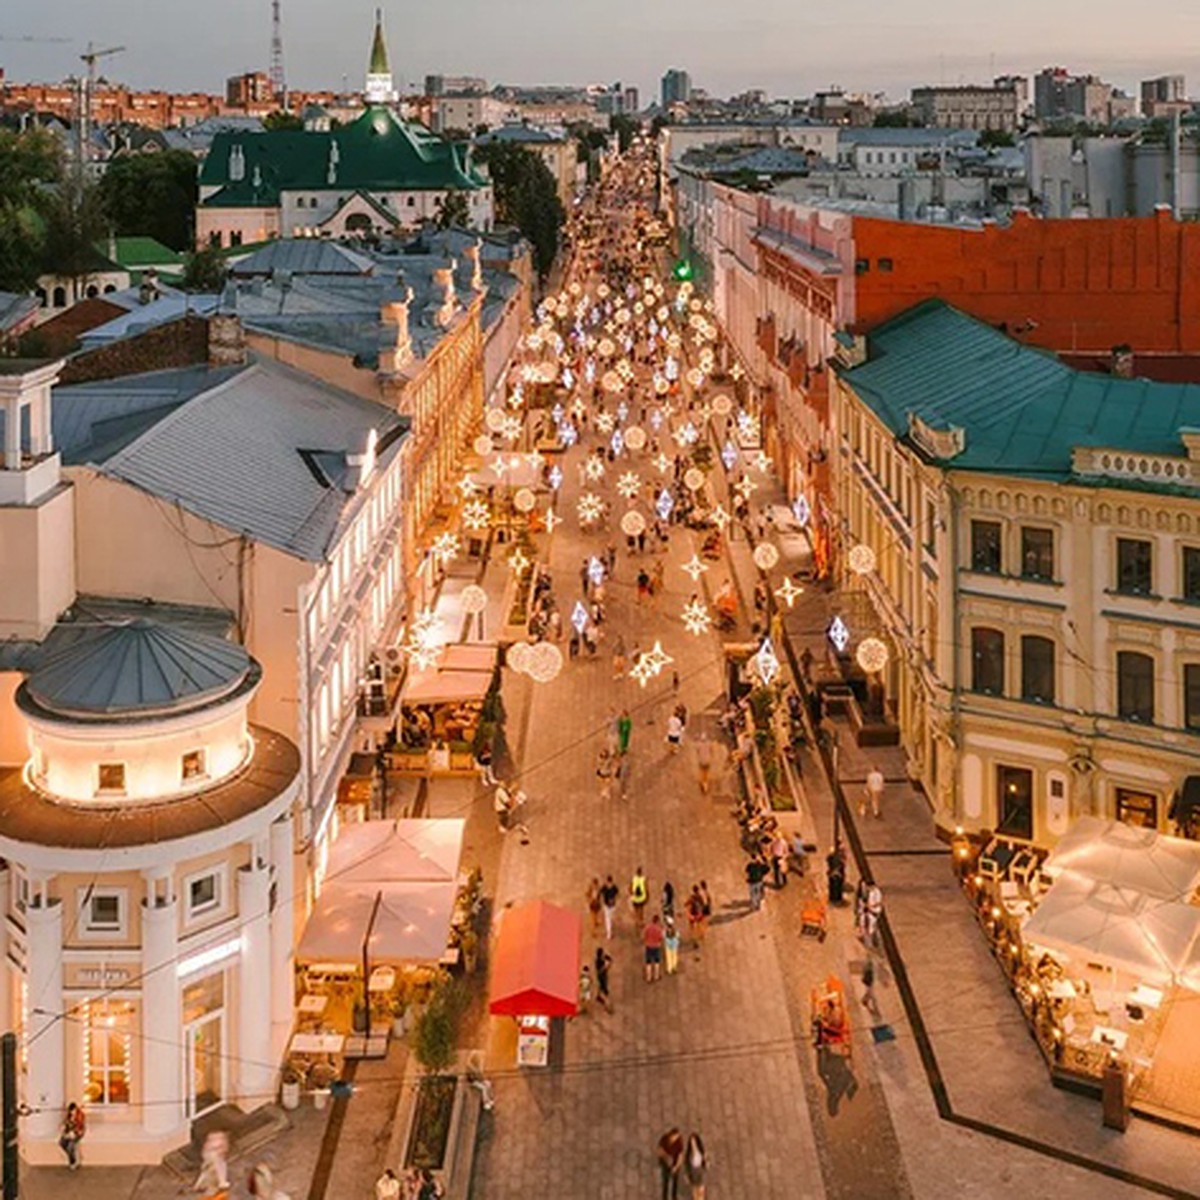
pixel 664 504
pixel 524 500
pixel 872 655
pixel 589 508
pixel 696 618
pixel 861 559
pixel 763 461
pixel 766 662
pixel 729 455
pixel 635 437
pixel 593 469
pixel 720 518
pixel 618 442
pixel 765 556
pixel 579 617
pixel 839 634
pixel 745 487
pixel 633 523
pixel 695 567
pixel 595 570
pixel 553 520
pixel 801 511
pixel 519 561
pixel 474 599
pixel 476 514
pixel 445 547
pixel 788 591
pixel 629 485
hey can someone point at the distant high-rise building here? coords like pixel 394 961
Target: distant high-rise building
pixel 1059 95
pixel 455 85
pixel 248 89
pixel 676 87
pixel 629 101
pixel 1160 96
pixel 968 107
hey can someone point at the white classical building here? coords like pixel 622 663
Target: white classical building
pixel 148 897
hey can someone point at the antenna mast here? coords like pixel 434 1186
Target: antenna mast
pixel 278 89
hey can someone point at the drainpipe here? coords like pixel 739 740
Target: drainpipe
pixel 956 800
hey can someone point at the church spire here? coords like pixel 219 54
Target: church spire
pixel 379 72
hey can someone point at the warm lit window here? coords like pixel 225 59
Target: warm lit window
pixel 111 777
pixel 1137 808
pixel 107 1036
pixel 194 766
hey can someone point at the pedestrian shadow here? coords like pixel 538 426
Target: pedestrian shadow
pixel 732 910
pixel 838 1077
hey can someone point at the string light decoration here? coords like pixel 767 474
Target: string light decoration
pixel 872 655
pixel 589 508
pixel 765 556
pixel 766 663
pixel 695 567
pixel 629 485
pixel 445 547
pixel 476 514
pixel 787 591
pixel 696 617
pixel 474 599
pixel 861 559
pixel 633 523
pixel 839 634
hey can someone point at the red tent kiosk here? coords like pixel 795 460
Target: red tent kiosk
pixel 535 974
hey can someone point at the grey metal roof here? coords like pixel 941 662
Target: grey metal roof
pixel 137 667
pixel 138 319
pixel 14 308
pixel 304 256
pixel 238 454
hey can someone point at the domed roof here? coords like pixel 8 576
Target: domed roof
pixel 136 669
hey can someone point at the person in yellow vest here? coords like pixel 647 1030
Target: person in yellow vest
pixel 639 892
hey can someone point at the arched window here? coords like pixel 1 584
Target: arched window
pixel 92 291
pixel 987 661
pixel 60 297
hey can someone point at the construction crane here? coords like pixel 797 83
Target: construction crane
pixel 83 122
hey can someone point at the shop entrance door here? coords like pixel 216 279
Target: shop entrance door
pixel 204 1044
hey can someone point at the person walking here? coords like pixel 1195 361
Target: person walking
pixel 639 893
pixel 674 732
pixel 618 658
pixel 609 895
pixel 695 914
pixel 874 912
pixel 214 1163
pixel 706 916
pixel 756 872
pixel 624 730
pixel 604 772
pixel 668 900
pixel 74 1126
pixel 872 792
pixel 585 989
pixel 387 1186
pixel 704 757
pixel 671 945
pixel 779 858
pixel 695 1165
pixel 602 964
pixel 652 940
pixel 868 979
pixel 594 903
pixel 670 1162
pixel 621 772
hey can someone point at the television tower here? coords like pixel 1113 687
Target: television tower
pixel 278 89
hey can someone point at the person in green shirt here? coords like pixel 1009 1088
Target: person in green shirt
pixel 624 729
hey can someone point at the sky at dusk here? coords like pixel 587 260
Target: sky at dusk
pixel 788 47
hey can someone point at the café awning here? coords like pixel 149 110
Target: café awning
pixel 462 672
pixel 1126 856
pixel 387 895
pixel 535 971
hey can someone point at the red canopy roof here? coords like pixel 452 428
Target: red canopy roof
pixel 536 968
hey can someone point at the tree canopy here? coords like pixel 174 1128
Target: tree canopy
pixel 30 164
pixel 526 196
pixel 625 127
pixel 282 120
pixel 453 209
pixel 152 195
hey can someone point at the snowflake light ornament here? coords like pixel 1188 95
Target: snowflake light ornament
pixel 445 547
pixel 696 618
pixel 593 469
pixel 629 485
pixel 605 422
pixel 476 514
pixel 589 508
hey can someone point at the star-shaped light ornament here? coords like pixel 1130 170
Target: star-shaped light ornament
pixel 445 547
pixel 605 422
pixel 657 658
pixel 763 461
pixel 695 567
pixel 737 370
pixel 579 617
pixel 535 459
pixel 720 518
pixel 745 487
pixel 766 662
pixel 589 508
pixel 788 591
pixel 553 520
pixel 839 634
pixel 467 486
pixel 519 561
pixel 629 485
pixel 696 618
pixel 476 514
pixel 664 504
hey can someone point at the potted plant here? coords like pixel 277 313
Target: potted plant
pixel 469 945
pixel 289 1090
pixel 399 1015
pixel 321 1078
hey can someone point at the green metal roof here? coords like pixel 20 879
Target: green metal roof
pixel 377 153
pixel 134 667
pixel 1022 410
pixel 139 252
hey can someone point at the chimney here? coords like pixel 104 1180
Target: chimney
pixel 472 253
pixel 395 344
pixel 1121 362
pixel 226 341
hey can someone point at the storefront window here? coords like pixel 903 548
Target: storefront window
pixel 1137 808
pixel 108 1034
pixel 1014 798
pixel 204 1025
